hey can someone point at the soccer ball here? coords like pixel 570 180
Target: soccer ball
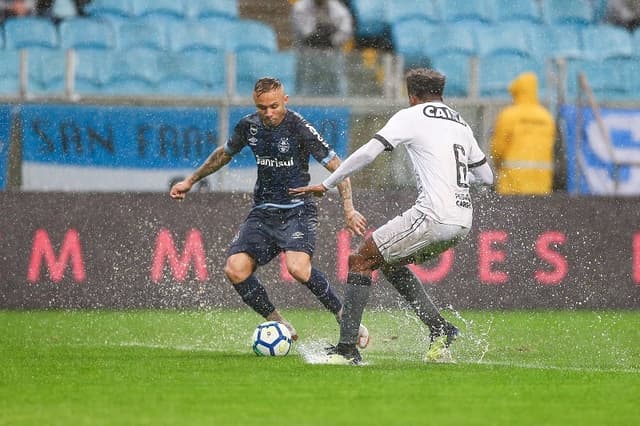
pixel 271 339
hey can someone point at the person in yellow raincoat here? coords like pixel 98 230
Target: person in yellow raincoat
pixel 522 145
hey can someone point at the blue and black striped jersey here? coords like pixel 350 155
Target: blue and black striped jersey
pixel 282 155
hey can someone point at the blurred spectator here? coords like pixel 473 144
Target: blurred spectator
pixel 322 28
pixel 12 8
pixel 321 24
pixel 625 13
pixel 522 144
pixel 61 8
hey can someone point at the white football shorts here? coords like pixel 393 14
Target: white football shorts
pixel 413 237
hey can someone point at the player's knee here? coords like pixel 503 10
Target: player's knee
pixel 235 271
pixel 300 272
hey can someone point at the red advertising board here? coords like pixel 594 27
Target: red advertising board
pixel 63 250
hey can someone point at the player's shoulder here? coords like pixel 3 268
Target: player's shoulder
pixel 251 118
pixel 295 117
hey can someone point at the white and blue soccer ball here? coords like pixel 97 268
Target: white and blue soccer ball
pixel 271 339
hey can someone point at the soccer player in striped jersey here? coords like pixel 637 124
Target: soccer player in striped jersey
pixel 446 160
pixel 282 142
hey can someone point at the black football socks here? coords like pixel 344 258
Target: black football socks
pixel 321 288
pixel 355 300
pixel 255 295
pixel 406 283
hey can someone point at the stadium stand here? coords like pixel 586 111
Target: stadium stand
pixel 549 42
pixel 134 71
pixel 252 35
pixel 474 13
pixel 46 70
pixel 636 42
pixel 251 65
pixel 412 9
pixel 81 33
pixel 605 77
pixel 456 67
pixel 578 13
pixel 183 36
pixel 370 17
pixel 30 31
pixel 497 71
pixel 171 8
pixel 9 77
pixel 110 10
pixel 92 70
pixel 134 33
pixel 502 38
pixel 448 34
pixel 192 73
pixel 212 8
pixel 518 11
pixel 607 41
pixel 451 38
pixel 411 38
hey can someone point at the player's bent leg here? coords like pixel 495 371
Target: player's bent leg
pixel 239 270
pixel 299 266
pixel 363 333
pixel 409 287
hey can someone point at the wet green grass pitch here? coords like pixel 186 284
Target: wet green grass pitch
pixel 197 368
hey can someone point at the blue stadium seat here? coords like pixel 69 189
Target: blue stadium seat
pixel 222 25
pixel 627 70
pixel 92 70
pixel 9 72
pixel 412 9
pixel 470 12
pixel 30 31
pixel 575 13
pixel 187 35
pixel 170 8
pixel 552 41
pixel 64 9
pixel 137 69
pixel 599 10
pixel 370 17
pixel 250 34
pixel 636 41
pixel 450 38
pixel 410 38
pixel 134 33
pixel 607 41
pixel 252 65
pixel 456 67
pixel 605 77
pixel 193 73
pixel 207 8
pixel 129 86
pixel 46 70
pixel 81 33
pixel 496 72
pixel 502 38
pixel 107 8
pixel 518 11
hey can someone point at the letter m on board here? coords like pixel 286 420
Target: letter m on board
pixel 166 252
pixel 70 253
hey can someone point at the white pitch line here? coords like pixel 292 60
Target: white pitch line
pixel 308 353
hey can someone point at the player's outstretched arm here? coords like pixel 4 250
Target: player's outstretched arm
pixel 216 160
pixel 355 221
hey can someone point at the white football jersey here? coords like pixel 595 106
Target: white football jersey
pixel 442 147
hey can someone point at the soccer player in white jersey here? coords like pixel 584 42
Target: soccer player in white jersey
pixel 446 159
